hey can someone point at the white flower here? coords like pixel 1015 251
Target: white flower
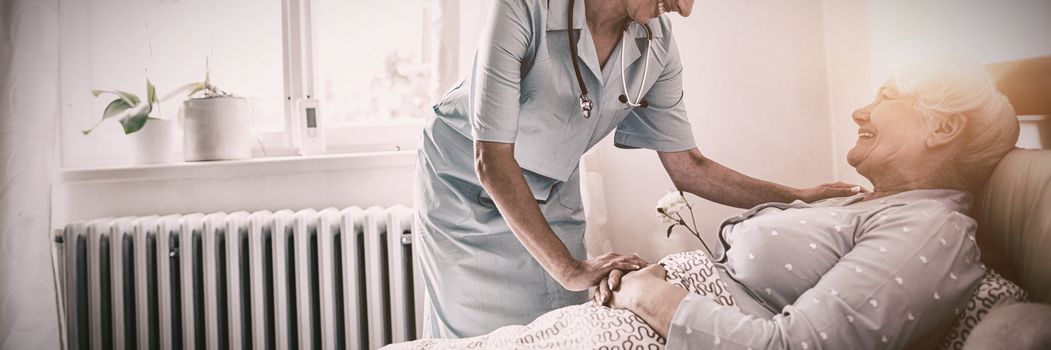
pixel 666 219
pixel 669 212
pixel 670 204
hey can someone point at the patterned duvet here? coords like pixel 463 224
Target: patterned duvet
pixel 590 326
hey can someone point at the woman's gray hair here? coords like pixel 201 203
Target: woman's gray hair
pixel 952 88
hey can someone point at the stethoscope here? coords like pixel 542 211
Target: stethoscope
pixel 585 100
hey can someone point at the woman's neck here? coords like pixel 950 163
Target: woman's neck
pixel 605 17
pixel 892 185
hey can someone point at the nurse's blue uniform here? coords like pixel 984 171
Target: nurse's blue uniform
pixel 522 90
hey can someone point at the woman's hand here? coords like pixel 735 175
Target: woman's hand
pixel 584 274
pixel 623 290
pixel 829 190
pixel 648 295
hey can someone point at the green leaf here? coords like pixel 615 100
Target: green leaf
pixel 669 230
pixel 130 98
pixel 133 123
pixel 197 87
pixel 114 108
pixel 151 92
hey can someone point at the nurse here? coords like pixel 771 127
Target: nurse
pixel 500 223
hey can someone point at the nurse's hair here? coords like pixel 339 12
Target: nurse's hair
pixel 939 90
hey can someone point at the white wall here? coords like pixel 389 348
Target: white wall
pixel 756 94
pixel 28 118
pixel 867 37
pixel 849 78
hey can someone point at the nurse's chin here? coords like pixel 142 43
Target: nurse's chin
pixel 643 17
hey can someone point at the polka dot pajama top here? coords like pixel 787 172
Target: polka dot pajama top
pixel 838 274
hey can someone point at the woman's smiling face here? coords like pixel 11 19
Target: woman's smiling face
pixel 890 130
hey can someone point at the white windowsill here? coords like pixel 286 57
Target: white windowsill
pixel 238 168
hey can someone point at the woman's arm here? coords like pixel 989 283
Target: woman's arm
pixel 690 171
pixel 904 277
pixel 664 127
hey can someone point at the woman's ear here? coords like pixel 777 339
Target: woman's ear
pixel 948 130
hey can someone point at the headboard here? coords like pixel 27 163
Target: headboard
pixel 1027 84
pixel 1014 208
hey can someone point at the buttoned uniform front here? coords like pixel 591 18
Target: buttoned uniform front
pixel 522 90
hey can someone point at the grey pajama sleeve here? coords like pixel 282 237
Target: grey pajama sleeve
pixel 906 274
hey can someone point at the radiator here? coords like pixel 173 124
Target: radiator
pixel 308 279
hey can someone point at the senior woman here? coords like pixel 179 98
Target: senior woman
pixel 871 271
pixel 501 222
pixel 868 271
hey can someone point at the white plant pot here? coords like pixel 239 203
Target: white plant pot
pixel 217 128
pixel 153 143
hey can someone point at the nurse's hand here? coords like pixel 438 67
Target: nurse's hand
pixel 583 274
pixel 829 190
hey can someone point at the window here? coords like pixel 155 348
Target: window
pixel 371 60
pixel 368 63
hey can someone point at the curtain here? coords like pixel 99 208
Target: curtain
pixel 29 110
pixel 445 34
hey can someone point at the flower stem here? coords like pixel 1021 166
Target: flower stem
pixel 688 206
pixel 694 232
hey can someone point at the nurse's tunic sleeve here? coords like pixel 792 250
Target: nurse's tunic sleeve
pixel 497 77
pixel 906 274
pixel 663 126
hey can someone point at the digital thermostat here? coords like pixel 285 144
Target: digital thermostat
pixel 311 138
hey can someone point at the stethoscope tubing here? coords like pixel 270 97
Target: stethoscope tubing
pixel 638 101
pixel 586 104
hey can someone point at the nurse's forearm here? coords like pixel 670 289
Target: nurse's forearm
pixel 690 171
pixel 502 178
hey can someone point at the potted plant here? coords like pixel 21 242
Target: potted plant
pixel 151 135
pixel 216 124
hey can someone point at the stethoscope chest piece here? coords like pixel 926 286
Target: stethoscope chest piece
pixel 586 105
